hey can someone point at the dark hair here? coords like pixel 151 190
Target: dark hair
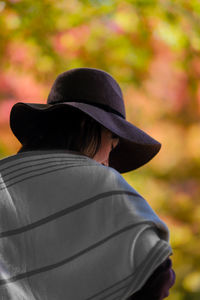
pixel 66 128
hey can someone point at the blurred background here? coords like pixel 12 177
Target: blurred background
pixel 152 48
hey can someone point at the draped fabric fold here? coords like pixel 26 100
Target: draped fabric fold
pixel 71 228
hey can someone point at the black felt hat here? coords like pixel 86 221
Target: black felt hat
pixel 96 93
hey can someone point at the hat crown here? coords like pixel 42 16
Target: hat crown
pixel 89 85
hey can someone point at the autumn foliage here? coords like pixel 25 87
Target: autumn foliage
pixel 152 48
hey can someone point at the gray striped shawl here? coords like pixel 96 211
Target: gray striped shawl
pixel 71 228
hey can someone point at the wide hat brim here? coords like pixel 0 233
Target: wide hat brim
pixel 135 148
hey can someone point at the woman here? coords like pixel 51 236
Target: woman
pixel 71 226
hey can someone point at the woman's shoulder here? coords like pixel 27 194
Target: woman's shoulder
pixel 116 180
